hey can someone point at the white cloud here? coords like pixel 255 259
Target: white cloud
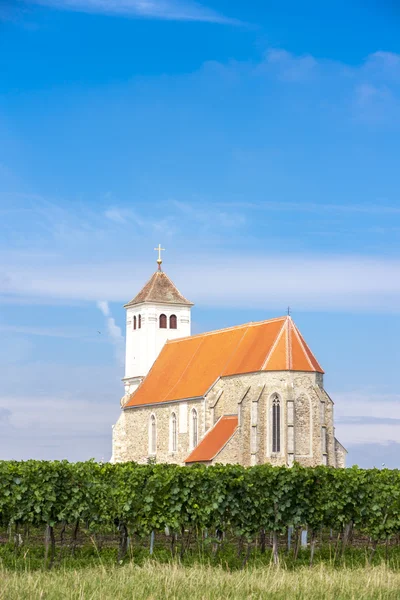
pixel 56 427
pixel 208 218
pixel 314 207
pixel 365 417
pixel 290 67
pixel 113 330
pixel 386 64
pixel 270 281
pixel 377 104
pixel 68 333
pixel 113 214
pixel 182 10
pixel 368 92
pixel 103 306
pixel 67 413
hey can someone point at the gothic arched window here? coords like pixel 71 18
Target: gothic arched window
pixel 163 321
pixel 134 322
pixel 194 428
pixel 173 322
pixel 173 433
pixel 139 321
pixel 276 424
pixel 152 435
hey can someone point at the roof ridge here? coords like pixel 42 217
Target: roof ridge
pixel 205 435
pixel 172 283
pixel 214 331
pixel 230 437
pixel 274 345
pixel 210 430
pixel 304 350
pixel 289 357
pixel 154 278
pixel 304 343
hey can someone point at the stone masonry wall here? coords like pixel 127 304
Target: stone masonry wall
pixel 230 453
pixel 131 432
pixel 248 396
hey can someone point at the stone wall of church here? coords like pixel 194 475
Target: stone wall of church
pixel 303 401
pixel 250 395
pixel 131 432
pixel 340 455
pixel 230 453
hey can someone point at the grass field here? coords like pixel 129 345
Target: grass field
pixel 155 581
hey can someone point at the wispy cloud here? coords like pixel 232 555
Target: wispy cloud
pixel 367 417
pixel 209 216
pixel 314 207
pixel 344 282
pixel 180 10
pixel 376 104
pixel 368 93
pixel 114 332
pixel 116 215
pixel 71 333
pixel 288 66
pixel 55 427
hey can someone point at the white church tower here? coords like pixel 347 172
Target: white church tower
pixel 156 314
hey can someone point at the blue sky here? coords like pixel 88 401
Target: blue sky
pixel 257 141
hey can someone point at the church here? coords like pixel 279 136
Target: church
pixel 248 394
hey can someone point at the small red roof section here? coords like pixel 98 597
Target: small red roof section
pixel 188 367
pixel 159 289
pixel 214 440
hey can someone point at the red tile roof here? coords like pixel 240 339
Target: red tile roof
pixel 159 289
pixel 188 367
pixel 214 440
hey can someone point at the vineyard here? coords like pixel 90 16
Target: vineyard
pixel 183 511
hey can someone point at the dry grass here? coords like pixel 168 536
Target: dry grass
pixel 154 581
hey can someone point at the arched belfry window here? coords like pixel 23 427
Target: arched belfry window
pixel 163 321
pixel 173 322
pixel 276 424
pixel 134 322
pixel 152 435
pixel 139 321
pixel 173 433
pixel 194 428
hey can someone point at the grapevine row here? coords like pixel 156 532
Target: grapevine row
pixel 140 499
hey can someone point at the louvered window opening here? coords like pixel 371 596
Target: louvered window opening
pixel 163 321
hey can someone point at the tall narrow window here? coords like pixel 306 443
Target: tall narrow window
pixel 276 424
pixel 163 321
pixel 172 322
pixel 139 321
pixel 194 428
pixel 134 322
pixel 152 435
pixel 173 432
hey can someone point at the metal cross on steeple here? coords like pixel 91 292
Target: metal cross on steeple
pixel 159 259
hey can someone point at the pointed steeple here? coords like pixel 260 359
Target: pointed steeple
pixel 159 290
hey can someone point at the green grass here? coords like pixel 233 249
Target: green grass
pixel 92 572
pixel 153 581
